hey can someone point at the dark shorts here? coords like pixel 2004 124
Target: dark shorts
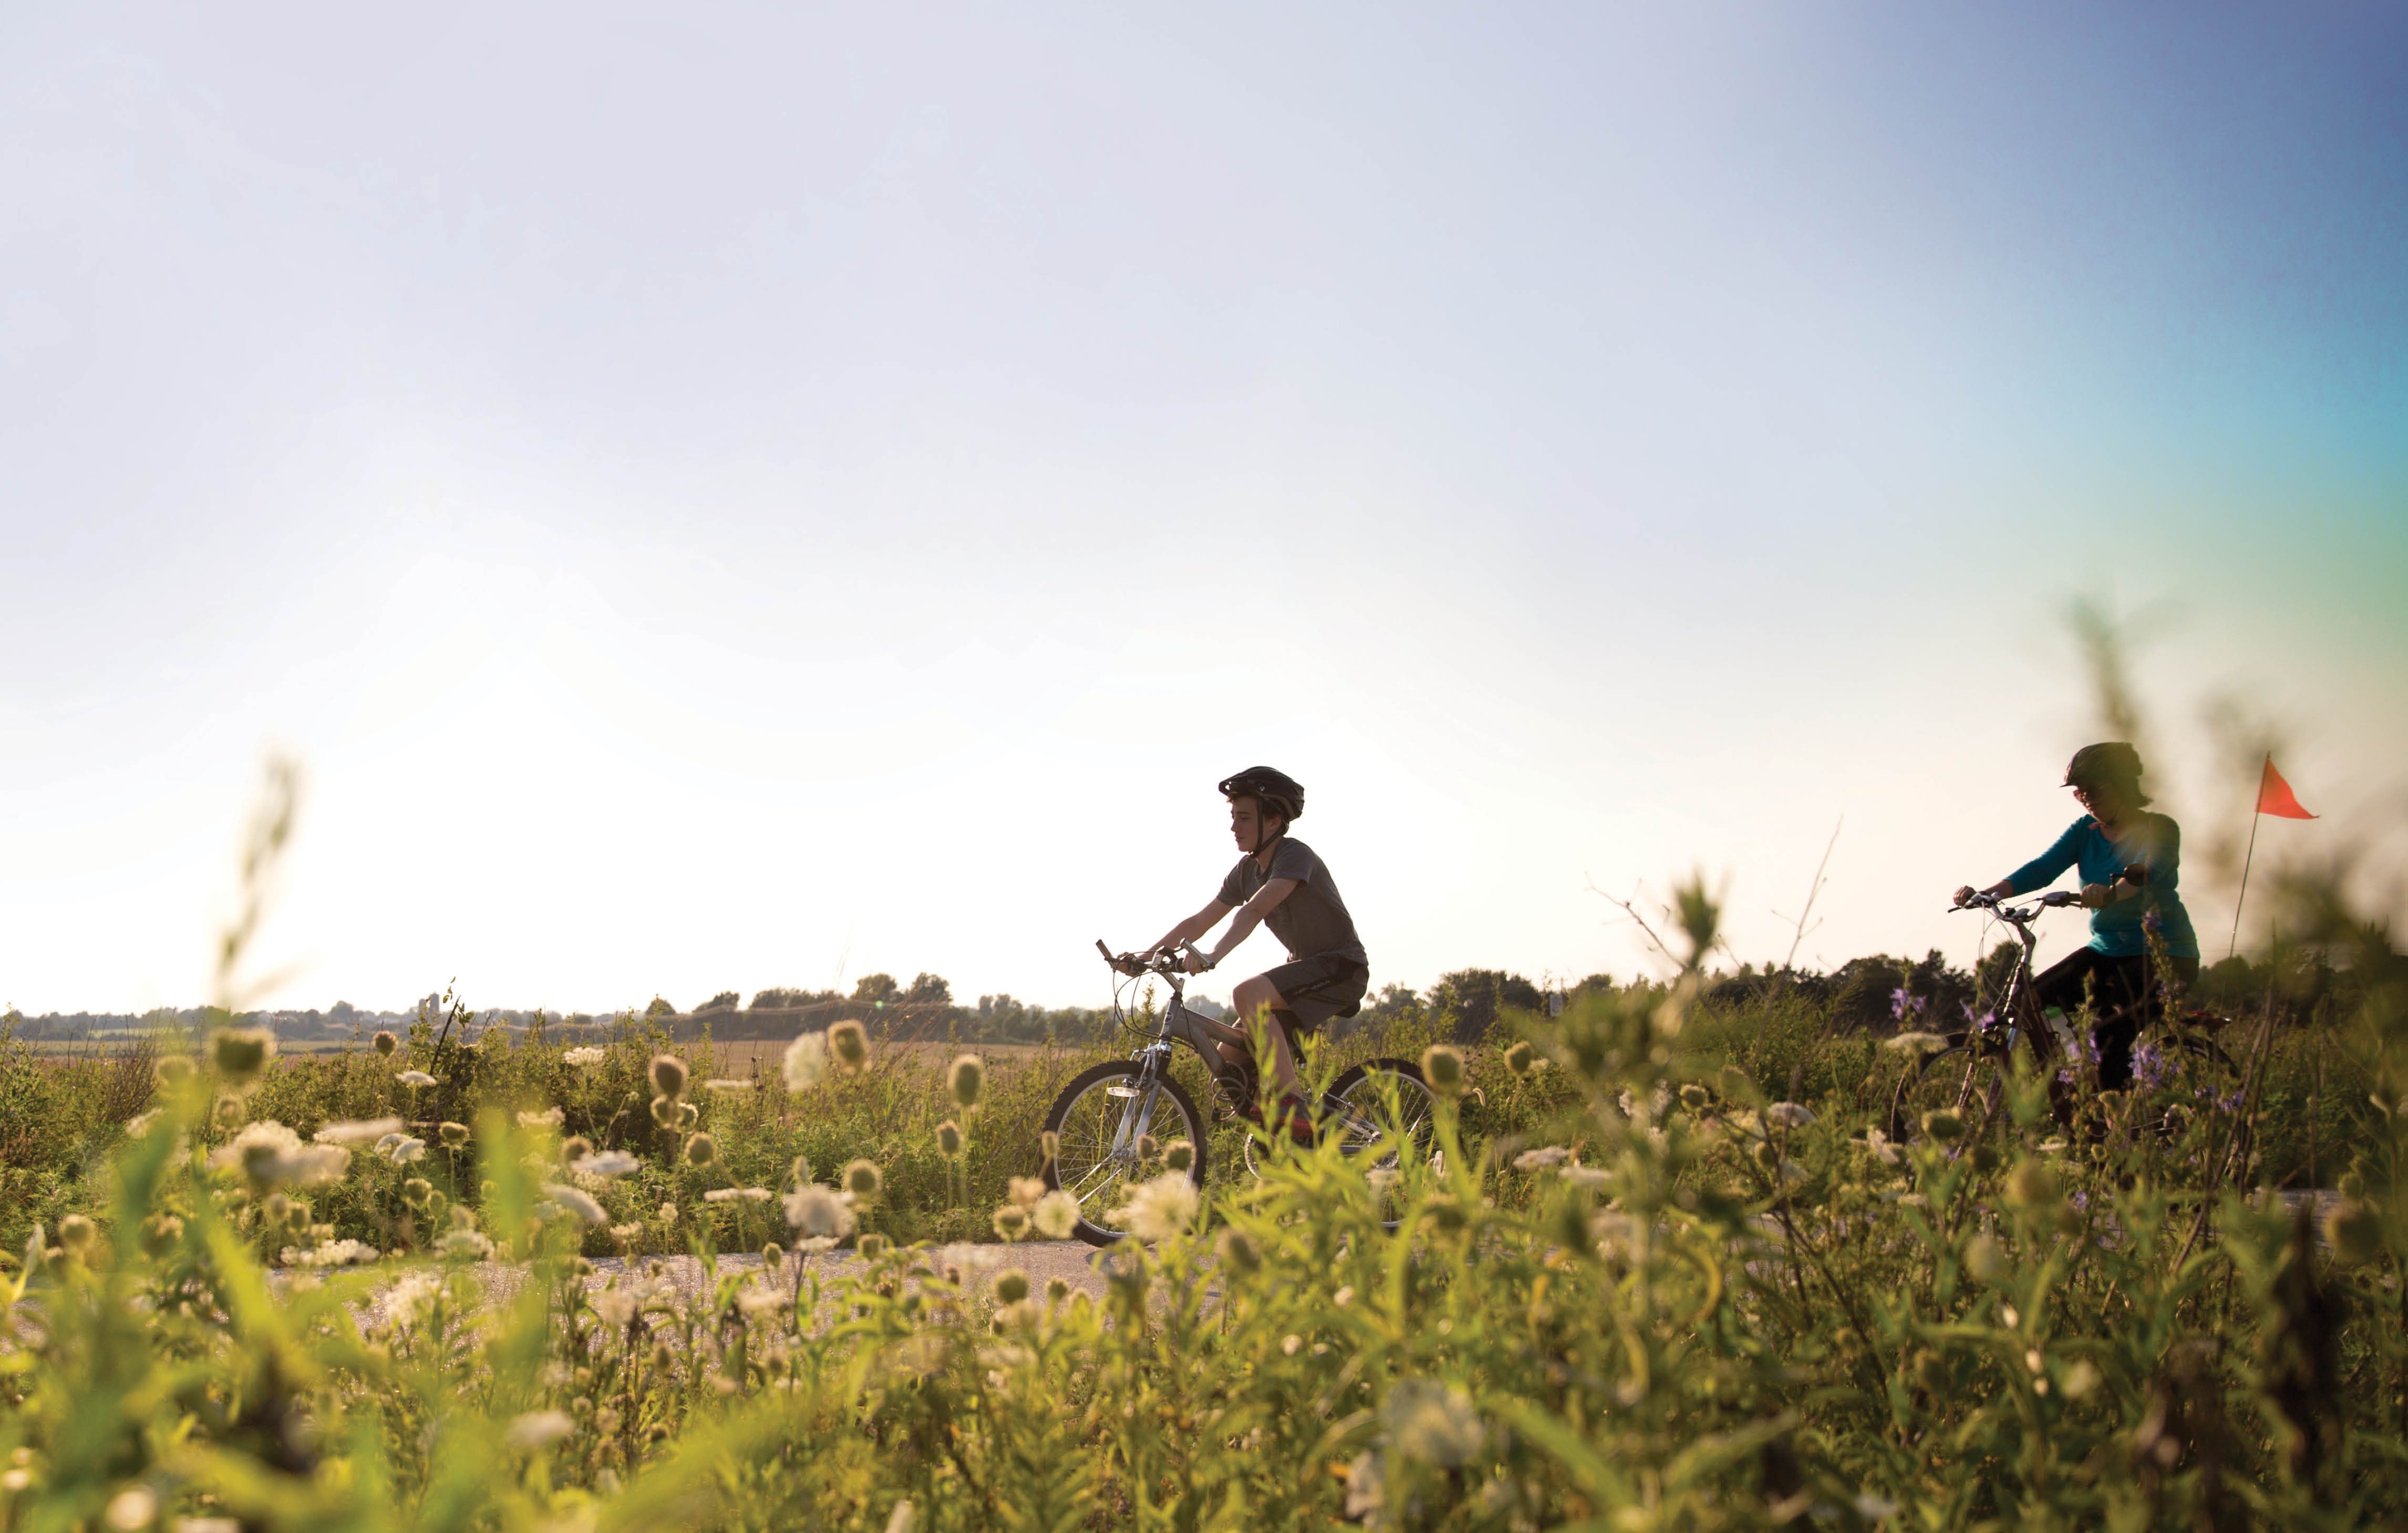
pixel 2118 991
pixel 1321 987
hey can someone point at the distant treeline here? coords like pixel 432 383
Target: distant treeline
pixel 1878 993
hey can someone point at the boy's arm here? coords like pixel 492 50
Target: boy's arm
pixel 1250 915
pixel 1192 927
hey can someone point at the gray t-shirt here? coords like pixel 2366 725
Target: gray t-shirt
pixel 1311 921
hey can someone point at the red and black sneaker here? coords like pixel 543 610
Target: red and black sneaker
pixel 1290 1111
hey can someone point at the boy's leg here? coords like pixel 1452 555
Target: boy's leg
pixel 1256 998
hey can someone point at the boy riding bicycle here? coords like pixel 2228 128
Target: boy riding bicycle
pixel 1278 882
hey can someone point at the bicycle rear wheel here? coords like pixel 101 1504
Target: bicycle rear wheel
pixel 1097 1121
pixel 1380 1113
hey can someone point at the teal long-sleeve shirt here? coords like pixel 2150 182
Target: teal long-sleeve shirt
pixel 2153 841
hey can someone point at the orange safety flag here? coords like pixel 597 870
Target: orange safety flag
pixel 2274 796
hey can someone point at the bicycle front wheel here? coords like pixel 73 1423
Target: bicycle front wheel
pixel 1098 1121
pixel 1957 1080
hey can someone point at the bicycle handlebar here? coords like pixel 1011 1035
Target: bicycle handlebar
pixel 1133 965
pixel 2054 899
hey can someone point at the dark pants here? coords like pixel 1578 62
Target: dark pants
pixel 2119 993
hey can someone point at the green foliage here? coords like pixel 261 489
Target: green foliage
pixel 1641 1286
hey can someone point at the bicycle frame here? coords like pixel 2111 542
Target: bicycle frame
pixel 2017 1009
pixel 1152 1056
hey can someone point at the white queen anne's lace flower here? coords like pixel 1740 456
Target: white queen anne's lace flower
pixel 1056 1215
pixel 539 1429
pixel 584 1057
pixel 1432 1422
pixel 820 1215
pixel 574 1200
pixel 1790 1114
pixel 357 1130
pixel 1158 1208
pixel 606 1163
pixel 1532 1160
pixel 805 1061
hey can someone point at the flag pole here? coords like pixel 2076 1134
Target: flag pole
pixel 2255 815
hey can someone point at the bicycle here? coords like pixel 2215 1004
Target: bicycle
pixel 1101 1121
pixel 1946 1077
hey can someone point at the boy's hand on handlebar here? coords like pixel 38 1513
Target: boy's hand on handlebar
pixel 1196 962
pixel 1964 897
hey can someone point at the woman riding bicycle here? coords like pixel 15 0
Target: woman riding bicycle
pixel 2131 863
pixel 1279 882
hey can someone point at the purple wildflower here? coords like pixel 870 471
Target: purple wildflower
pixel 1902 1005
pixel 2151 1068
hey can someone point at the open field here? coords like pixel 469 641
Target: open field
pixel 1666 1261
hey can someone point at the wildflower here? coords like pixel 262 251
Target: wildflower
pixel 1050 1143
pixel 701 1150
pixel 805 1061
pixel 1290 1342
pixel 1056 1215
pixel 172 1070
pixel 688 1115
pixel 1582 1176
pixel 1366 1489
pixel 131 1509
pixel 551 1117
pixel 862 1181
pixel 1148 1147
pixel 241 1052
pixel 416 1191
pixel 820 1217
pixel 773 1256
pixel 1344 1295
pixel 1432 1422
pixel 405 1150
pixel 1539 1159
pixel 577 1202
pixel 1916 1042
pixel 585 1056
pixel 668 1076
pixel 1790 1114
pixel 414 1078
pixel 872 1246
pixel 1884 1149
pixel 949 1138
pixel 2033 1186
pixel 902 1519
pixel 1238 1252
pixel 1010 1220
pixel 1442 1069
pixel 614 1307
pixel 1027 1190
pixel 1010 1285
pixel 606 1163
pixel 271 1154
pixel 1519 1056
pixel 467 1245
pixel 384 1042
pixel 1874 1509
pixel 453 1135
pixel 1159 1209
pixel 538 1430
pixel 1056 1289
pixel 1942 1124
pixel 848 1043
pixel 666 1213
pixel 967 1079
pixel 1179 1155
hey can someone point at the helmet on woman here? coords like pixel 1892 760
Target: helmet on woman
pixel 1269 787
pixel 2112 765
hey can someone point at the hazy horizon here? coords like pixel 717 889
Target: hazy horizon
pixel 733 499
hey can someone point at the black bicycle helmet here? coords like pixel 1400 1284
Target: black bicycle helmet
pixel 2112 765
pixel 1268 785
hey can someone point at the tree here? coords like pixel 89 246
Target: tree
pixel 726 1000
pixel 931 989
pixel 876 989
pixel 660 1008
pixel 1475 995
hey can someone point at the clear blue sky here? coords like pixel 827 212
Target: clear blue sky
pixel 728 496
